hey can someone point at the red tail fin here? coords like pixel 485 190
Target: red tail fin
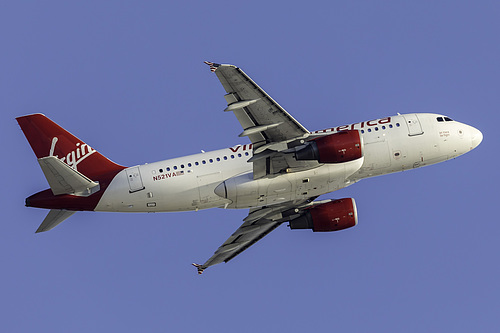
pixel 49 139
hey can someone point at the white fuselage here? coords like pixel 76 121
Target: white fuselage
pixel 186 183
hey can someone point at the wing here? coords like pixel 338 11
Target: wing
pixel 257 224
pixel 244 237
pixel 268 126
pixel 263 120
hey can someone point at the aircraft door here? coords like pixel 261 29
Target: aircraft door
pixel 134 179
pixel 413 124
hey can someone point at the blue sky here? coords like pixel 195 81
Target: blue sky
pixel 128 78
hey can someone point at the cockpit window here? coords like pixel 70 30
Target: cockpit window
pixel 441 119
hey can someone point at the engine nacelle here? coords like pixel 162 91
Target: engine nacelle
pixel 331 216
pixel 339 147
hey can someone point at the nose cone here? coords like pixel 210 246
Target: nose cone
pixel 477 137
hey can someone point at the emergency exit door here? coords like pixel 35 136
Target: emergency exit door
pixel 134 179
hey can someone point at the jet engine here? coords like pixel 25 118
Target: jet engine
pixel 331 216
pixel 339 147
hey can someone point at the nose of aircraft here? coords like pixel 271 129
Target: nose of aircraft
pixel 477 137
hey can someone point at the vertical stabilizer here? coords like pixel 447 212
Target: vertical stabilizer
pixel 49 139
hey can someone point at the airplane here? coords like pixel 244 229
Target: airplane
pixel 277 176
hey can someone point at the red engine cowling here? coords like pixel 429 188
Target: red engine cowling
pixel 332 216
pixel 339 147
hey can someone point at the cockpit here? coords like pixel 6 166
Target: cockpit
pixel 441 119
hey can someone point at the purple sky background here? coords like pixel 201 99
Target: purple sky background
pixel 128 78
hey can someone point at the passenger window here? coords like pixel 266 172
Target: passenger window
pixel 196 163
pixel 239 155
pixel 390 125
pixel 218 159
pixel 182 166
pixel 161 170
pixel 168 168
pixel 397 125
pixel 204 162
pixel 369 130
pixel 362 131
pixel 175 167
pixel 232 156
pixel 225 158
pixel 189 165
pixel 383 127
pixel 211 160
pixel 246 154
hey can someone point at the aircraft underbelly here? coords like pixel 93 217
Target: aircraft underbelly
pixel 245 192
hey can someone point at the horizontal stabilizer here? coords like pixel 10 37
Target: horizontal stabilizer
pixel 53 218
pixel 65 180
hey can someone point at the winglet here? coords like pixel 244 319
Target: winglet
pixel 199 267
pixel 213 65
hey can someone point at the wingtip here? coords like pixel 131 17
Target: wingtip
pixel 199 267
pixel 213 65
pixel 41 228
